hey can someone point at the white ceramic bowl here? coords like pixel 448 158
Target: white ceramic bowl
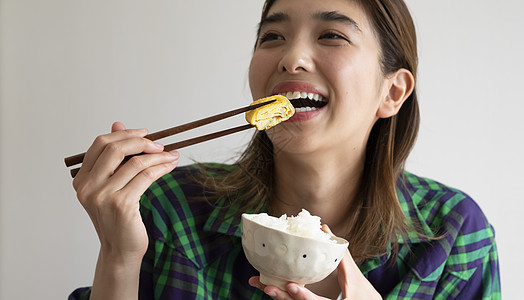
pixel 281 257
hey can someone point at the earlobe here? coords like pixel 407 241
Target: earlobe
pixel 400 86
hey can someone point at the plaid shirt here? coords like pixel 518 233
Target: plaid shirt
pixel 194 254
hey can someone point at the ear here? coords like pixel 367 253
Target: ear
pixel 399 86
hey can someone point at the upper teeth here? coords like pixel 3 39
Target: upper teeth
pixel 303 95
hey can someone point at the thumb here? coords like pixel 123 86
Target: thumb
pixel 346 268
pixel 118 126
pixel 353 283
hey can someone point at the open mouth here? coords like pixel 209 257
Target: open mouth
pixel 303 101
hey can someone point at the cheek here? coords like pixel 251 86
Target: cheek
pixel 259 72
pixel 354 79
pixel 356 89
pixel 340 70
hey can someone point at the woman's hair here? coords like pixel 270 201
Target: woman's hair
pixel 376 218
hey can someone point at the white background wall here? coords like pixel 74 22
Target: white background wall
pixel 70 68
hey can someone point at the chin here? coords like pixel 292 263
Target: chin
pixel 286 140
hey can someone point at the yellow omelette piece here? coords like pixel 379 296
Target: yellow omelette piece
pixel 271 114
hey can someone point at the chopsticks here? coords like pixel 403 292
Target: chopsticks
pixel 78 158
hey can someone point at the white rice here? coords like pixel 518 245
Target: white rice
pixel 304 224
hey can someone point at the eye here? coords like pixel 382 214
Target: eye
pixel 333 37
pixel 270 36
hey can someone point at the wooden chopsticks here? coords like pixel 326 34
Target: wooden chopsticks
pixel 78 158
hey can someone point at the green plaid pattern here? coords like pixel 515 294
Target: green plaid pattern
pixel 195 252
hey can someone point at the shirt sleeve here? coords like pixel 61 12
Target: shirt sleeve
pixel 80 294
pixel 461 262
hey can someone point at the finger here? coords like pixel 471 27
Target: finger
pixel 255 282
pixel 140 163
pixel 139 184
pixel 346 268
pixel 326 229
pixel 102 141
pixel 298 292
pixel 114 153
pixel 276 293
pixel 271 290
pixel 117 126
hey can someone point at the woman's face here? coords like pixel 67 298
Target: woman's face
pixel 324 50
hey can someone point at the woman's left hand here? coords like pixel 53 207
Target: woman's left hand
pixel 352 283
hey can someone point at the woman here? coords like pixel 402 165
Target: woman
pixel 341 159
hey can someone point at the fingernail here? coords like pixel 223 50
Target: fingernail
pixel 175 153
pixel 158 145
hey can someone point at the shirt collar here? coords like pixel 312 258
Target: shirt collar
pixel 409 203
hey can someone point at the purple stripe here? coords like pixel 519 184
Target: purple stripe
pixel 430 195
pixel 465 266
pixel 433 212
pixel 174 274
pixel 472 247
pixel 446 196
pixel 421 296
pixel 174 293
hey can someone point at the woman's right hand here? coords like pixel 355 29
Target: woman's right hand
pixel 110 193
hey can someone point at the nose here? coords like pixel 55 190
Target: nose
pixel 297 57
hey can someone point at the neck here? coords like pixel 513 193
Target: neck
pixel 324 184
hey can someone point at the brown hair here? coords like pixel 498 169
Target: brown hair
pixel 376 218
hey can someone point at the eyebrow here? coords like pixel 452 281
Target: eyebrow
pixel 334 16
pixel 327 16
pixel 278 17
